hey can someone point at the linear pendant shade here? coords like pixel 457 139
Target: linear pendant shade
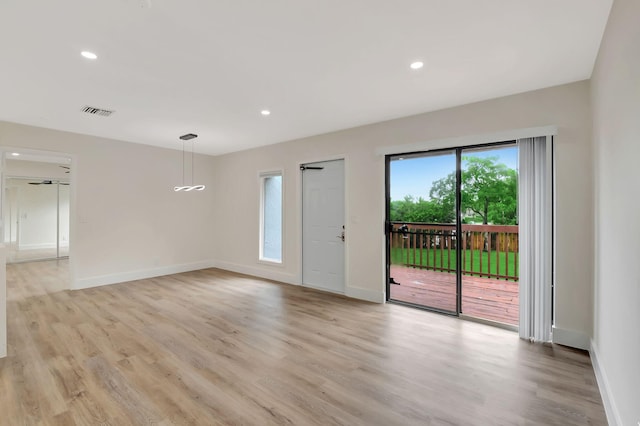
pixel 188 188
pixel 192 187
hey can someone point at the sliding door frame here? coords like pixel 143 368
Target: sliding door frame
pixel 387 228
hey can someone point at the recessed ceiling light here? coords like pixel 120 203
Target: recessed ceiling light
pixel 15 154
pixel 89 55
pixel 265 112
pixel 416 65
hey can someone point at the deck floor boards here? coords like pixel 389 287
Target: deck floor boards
pixel 485 298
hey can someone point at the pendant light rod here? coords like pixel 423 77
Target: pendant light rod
pixel 183 164
pixel 192 187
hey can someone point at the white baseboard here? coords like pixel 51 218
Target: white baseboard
pixel 265 272
pixel 365 294
pixel 138 275
pixel 574 339
pixel 326 290
pixel 354 292
pixel 40 246
pixel 83 283
pixel 613 415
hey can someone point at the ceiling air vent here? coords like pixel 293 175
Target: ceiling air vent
pixel 97 111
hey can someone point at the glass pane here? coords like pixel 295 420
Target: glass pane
pixel 489 210
pixel 423 243
pixel 272 218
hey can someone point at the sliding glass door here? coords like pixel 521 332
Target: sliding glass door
pixel 489 238
pixel 422 229
pixel 452 231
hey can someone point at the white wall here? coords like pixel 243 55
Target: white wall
pixel 616 123
pixel 37 208
pixel 126 221
pixel 566 106
pixel 37 203
pixel 3 303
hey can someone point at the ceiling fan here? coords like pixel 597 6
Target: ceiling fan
pixel 47 182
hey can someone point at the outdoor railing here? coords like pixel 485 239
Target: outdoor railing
pixel 487 250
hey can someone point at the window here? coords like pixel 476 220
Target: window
pixel 271 217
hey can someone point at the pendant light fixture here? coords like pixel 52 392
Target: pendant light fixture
pixel 192 187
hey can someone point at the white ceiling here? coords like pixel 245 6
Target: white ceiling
pixel 170 67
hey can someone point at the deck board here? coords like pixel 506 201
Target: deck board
pixel 491 299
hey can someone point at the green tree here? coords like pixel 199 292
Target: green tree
pixel 402 210
pixel 420 210
pixel 488 191
pixel 443 196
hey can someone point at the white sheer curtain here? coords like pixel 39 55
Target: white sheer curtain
pixel 535 199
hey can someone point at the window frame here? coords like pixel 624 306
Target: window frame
pixel 262 178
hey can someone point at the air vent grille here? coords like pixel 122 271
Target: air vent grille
pixel 97 111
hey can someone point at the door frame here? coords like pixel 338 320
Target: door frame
pixel 458 152
pixel 54 181
pixel 73 178
pixel 300 207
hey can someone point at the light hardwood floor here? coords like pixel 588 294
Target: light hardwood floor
pixel 212 347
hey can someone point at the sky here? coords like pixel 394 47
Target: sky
pixel 414 176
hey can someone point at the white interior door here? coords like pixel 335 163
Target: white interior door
pixel 323 225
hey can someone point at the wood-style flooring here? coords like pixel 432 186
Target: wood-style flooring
pixel 216 348
pixel 26 255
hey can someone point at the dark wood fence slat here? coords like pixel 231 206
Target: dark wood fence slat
pixel 449 251
pixel 489 241
pixel 498 252
pixel 405 243
pixel 420 245
pixel 464 250
pixel 413 244
pixel 506 254
pixel 432 249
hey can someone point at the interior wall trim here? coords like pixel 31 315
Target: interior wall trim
pixel 141 274
pixel 265 272
pixel 469 140
pixel 610 408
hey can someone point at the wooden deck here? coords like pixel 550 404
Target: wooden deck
pixel 495 300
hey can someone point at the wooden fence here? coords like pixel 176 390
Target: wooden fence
pixel 487 250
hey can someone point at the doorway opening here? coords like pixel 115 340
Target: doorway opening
pixel 452 240
pixel 36 208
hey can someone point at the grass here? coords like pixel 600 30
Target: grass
pixel 399 257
